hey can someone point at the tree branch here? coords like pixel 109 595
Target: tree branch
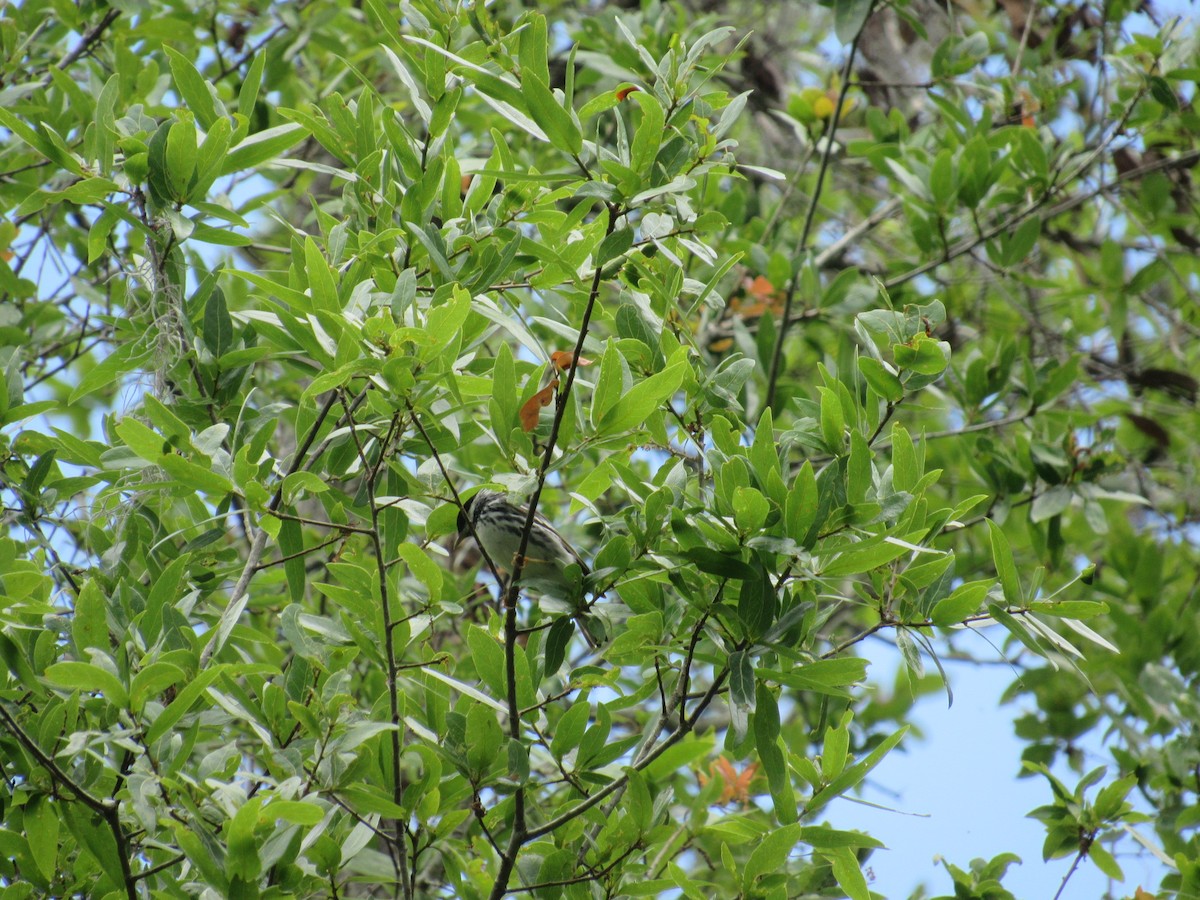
pixel 520 832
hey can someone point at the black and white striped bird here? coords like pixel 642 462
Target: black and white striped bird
pixel 497 526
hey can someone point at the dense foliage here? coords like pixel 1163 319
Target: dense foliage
pixel 874 325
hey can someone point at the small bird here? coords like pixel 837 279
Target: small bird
pixel 497 525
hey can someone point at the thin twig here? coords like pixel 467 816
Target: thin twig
pixel 85 43
pixel 109 810
pixel 1079 857
pixel 1183 161
pixel 389 646
pixel 806 233
pixel 240 596
pixel 685 726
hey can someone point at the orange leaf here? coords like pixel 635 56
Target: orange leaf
pixel 532 407
pixel 624 92
pixel 735 785
pixel 760 287
pixel 563 358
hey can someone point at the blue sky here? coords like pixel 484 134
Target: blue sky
pixel 956 794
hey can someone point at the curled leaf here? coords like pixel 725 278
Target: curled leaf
pixel 532 408
pixel 624 92
pixel 562 359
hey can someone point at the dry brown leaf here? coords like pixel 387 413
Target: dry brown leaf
pixel 562 359
pixel 532 407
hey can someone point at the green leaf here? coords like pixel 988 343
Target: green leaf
pixel 610 385
pixel 41 142
pixel 923 355
pixel 153 679
pixel 860 473
pixel 291 545
pixel 570 729
pixel 715 562
pixel 193 87
pixel 105 124
pixel 855 773
pixel 642 399
pixel 766 740
pixel 882 380
pixel 741 679
pixel 297 812
pixel 41 827
pixel 164 592
pixel 803 503
pixel 769 855
pixel 1006 569
pixel 249 88
pixel 182 704
pixel 614 245
pixel 1070 609
pixel 1111 799
pixel 849 16
pixel 750 509
pixel 88 678
pixel 102 227
pixel 561 129
pixel 218 326
pixel 833 423
pixel 241 858
pixel 157 174
pixel 859 558
pixel 92 834
pixel 321 282
pixel 488 657
pixel 965 600
pixel 824 676
pixel 906 470
pixel 1017 247
pixel 532 46
pixel 89 625
pixel 835 753
pixel 941 178
pixel 484 738
pixel 848 873
pixel 649 135
pixel 557 640
pixel 1105 862
pixel 822 837
pixel 209 158
pixel 260 147
pixel 419 563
